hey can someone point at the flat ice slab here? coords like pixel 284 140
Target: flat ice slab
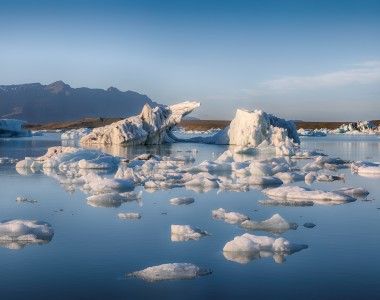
pixel 296 193
pixel 129 216
pixel 172 271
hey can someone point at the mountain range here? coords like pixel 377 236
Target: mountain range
pixel 38 103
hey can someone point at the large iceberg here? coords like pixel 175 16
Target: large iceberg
pixel 257 129
pixel 13 128
pixel 152 126
pixel 360 127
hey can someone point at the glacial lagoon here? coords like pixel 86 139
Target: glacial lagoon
pixel 93 250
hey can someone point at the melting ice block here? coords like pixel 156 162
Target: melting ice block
pixel 181 233
pixel 296 193
pixel 172 271
pixel 276 224
pixel 16 234
pixel 246 247
pixel 229 217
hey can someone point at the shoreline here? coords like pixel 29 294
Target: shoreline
pixel 198 125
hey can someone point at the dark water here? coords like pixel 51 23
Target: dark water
pixel 92 249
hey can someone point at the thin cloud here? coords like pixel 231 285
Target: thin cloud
pixel 363 73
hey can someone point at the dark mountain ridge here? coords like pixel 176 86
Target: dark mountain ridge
pixel 37 103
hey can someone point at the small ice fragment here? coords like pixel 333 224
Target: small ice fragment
pixel 129 216
pixel 275 224
pixel 229 217
pixel 181 233
pixel 172 271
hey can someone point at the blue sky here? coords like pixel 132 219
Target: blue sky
pixel 311 60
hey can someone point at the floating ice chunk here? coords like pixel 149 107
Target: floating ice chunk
pixel 312 132
pixel 13 128
pixel 64 158
pixel 112 199
pixel 229 217
pixel 310 177
pixel 264 181
pixel 7 161
pixel 366 168
pixel 275 224
pixel 128 216
pixel 16 234
pixel 307 154
pixel 181 233
pixel 329 177
pixel 75 134
pixel 296 193
pixel 246 247
pixel 98 185
pixel 24 199
pixel 172 271
pixel 354 192
pixel 181 201
pixel 201 182
pixel 152 126
pixel 288 177
pixel 324 162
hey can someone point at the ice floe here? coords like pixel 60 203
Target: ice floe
pixel 129 216
pixel 295 193
pixel 16 234
pixel 360 127
pixel 171 271
pixel 354 192
pixel 113 199
pixel 152 126
pixel 247 247
pixel 180 233
pixel 366 168
pixel 276 224
pixel 229 217
pixel 181 201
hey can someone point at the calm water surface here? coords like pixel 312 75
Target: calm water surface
pixel 92 249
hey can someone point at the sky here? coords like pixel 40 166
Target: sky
pixel 302 60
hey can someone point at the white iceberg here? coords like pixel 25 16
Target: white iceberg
pixel 359 127
pixel 229 217
pixel 7 161
pixel 246 247
pixel 312 132
pixel 16 234
pixel 152 126
pixel 180 233
pixel 276 224
pixel 181 201
pixel 172 271
pixel 296 193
